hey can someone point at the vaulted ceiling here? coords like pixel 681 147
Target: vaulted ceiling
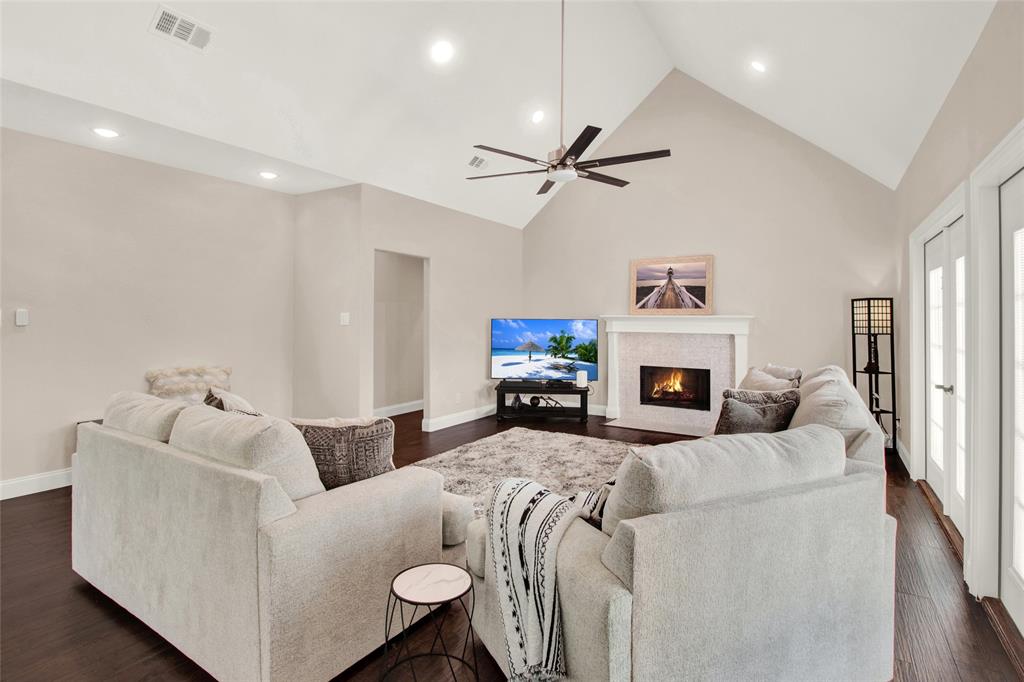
pixel 348 90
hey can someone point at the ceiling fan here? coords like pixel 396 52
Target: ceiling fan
pixel 564 164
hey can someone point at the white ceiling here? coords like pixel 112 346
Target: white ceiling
pixel 862 80
pixel 42 113
pixel 346 89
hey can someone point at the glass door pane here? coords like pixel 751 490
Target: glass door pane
pixel 935 363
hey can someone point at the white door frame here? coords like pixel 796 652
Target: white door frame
pixel 954 206
pixel 981 550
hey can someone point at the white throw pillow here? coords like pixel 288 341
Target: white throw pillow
pixel 830 399
pixel 780 372
pixel 670 477
pixel 759 380
pixel 141 414
pixel 229 402
pixel 265 444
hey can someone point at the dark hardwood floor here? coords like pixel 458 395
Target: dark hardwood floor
pixel 54 626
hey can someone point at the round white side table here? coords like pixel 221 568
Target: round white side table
pixel 432 587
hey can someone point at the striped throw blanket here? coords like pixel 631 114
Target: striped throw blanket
pixel 525 524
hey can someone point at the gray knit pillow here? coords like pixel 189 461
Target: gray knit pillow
pixel 740 417
pixel 762 397
pixel 349 450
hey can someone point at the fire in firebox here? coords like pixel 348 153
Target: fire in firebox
pixel 682 387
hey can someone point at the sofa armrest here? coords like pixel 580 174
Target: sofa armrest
pixel 596 608
pixel 325 571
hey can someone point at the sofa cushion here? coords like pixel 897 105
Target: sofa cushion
pixel 740 417
pixel 673 476
pixel 349 450
pixel 476 546
pixel 141 414
pixel 264 444
pixel 456 513
pixel 229 402
pixel 759 380
pixel 828 398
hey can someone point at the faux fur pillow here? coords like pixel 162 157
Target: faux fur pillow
pixel 759 380
pixel 349 450
pixel 739 417
pixel 187 383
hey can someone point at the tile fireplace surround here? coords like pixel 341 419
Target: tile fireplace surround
pixel 714 342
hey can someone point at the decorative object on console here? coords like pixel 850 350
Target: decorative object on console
pixel 229 402
pixel 671 286
pixel 564 165
pixel 760 380
pixel 871 318
pixel 349 450
pixel 188 383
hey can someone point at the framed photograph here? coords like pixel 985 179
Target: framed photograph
pixel 671 286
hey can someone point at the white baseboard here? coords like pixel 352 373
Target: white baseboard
pixel 438 423
pixel 904 455
pixel 34 483
pixel 598 410
pixel 400 408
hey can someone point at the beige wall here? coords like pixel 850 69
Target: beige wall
pixel 473 271
pixel 794 231
pixel 397 329
pixel 127 266
pixel 984 104
pixel 328 278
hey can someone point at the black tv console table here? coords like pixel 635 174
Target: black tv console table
pixel 507 410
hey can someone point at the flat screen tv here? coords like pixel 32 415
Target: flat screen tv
pixel 543 349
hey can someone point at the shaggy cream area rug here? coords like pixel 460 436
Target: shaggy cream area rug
pixel 561 462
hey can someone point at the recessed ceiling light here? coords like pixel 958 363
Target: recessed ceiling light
pixel 442 52
pixel 758 66
pixel 538 116
pixel 106 132
pixel 268 175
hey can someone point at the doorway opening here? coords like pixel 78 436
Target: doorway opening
pixel 399 333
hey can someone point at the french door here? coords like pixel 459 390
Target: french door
pixel 1011 219
pixel 945 369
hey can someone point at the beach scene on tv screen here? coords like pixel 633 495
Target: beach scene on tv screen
pixel 543 349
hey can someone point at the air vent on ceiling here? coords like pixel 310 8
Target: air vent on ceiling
pixel 179 28
pixel 478 162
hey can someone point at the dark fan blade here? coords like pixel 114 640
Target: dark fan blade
pixel 606 179
pixel 545 187
pixel 501 175
pixel 512 154
pixel 577 148
pixel 625 158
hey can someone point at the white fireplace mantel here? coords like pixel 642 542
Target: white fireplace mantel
pixel 737 326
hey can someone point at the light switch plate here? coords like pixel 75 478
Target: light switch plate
pixel 21 317
pixel 343 319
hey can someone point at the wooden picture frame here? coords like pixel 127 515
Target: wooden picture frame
pixel 649 277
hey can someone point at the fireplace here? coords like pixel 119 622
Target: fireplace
pixel 682 387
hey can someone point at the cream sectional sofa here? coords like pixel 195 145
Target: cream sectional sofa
pixel 224 541
pixel 770 557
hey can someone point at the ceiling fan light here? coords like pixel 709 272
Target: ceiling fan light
pixel 562 174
